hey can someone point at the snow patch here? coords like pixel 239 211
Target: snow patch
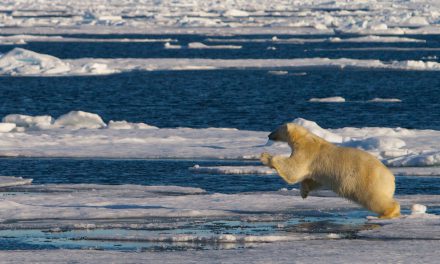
pixel 319 131
pixel 78 120
pixel 31 122
pixel 385 100
pixel 199 45
pixel 24 62
pixel 278 72
pixel 21 62
pixel 233 170
pixel 418 209
pixel 335 99
pixel 9 181
pixel 7 127
pixel 127 125
pixel 171 46
pixel 377 143
pixel 42 136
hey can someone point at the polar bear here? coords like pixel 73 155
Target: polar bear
pixel 351 173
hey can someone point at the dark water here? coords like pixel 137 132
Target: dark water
pixel 244 99
pixel 169 172
pixel 417 51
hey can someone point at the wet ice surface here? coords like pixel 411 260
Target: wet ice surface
pixel 132 217
pixel 201 216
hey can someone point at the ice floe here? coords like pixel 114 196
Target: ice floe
pixel 31 204
pixel 79 119
pixel 278 72
pixel 82 134
pixel 168 45
pixel 9 181
pixel 22 62
pixel 233 170
pixel 263 170
pixel 6 127
pixel 89 202
pixel 24 39
pixel 29 122
pixel 335 99
pixel 417 171
pixel 362 39
pixel 322 252
pixel 199 45
pixel 417 225
pixel 221 18
pixel 58 207
pixel 385 100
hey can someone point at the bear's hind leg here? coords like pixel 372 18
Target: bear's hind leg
pixel 391 212
pixel 384 206
pixel 307 186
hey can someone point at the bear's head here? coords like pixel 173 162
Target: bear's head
pixel 289 132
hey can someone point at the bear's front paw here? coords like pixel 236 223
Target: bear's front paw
pixel 265 158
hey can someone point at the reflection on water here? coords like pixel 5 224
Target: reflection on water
pixel 187 233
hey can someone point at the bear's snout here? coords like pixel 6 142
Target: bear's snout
pixel 273 136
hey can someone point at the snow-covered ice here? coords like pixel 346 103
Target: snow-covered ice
pixel 124 207
pixel 335 99
pixel 385 100
pixel 82 134
pixel 199 45
pixel 31 205
pixel 417 225
pixel 22 62
pixel 278 72
pixel 24 39
pixel 362 39
pixel 79 119
pixel 328 252
pixel 9 181
pixel 220 18
pixel 264 170
pixel 93 202
pixel 233 170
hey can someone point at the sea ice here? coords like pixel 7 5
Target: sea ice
pixel 168 45
pixel 21 62
pixel 220 18
pixel 24 62
pixel 385 100
pixel 26 121
pixel 319 131
pixel 79 119
pixel 233 170
pixel 199 45
pixel 24 39
pixel 362 39
pixel 6 127
pixel 335 99
pixel 127 125
pixel 44 136
pixel 9 181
